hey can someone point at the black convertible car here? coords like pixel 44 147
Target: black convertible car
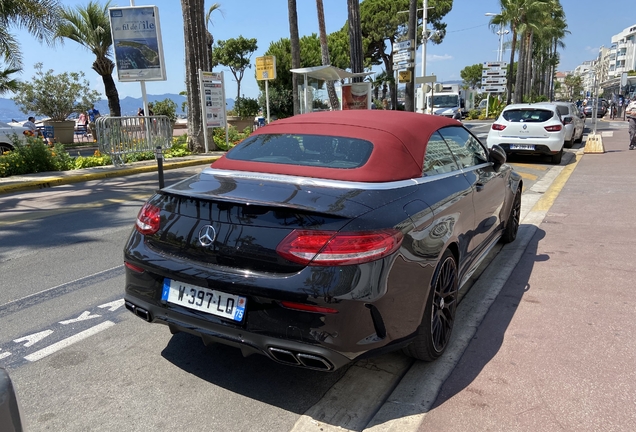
pixel 325 237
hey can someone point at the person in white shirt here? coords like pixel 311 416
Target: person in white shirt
pixel 30 123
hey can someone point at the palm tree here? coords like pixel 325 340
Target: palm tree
pixel 89 26
pixel 209 39
pixel 8 84
pixel 324 48
pixel 38 17
pixel 295 50
pixel 196 55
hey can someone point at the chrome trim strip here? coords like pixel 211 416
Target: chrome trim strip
pixel 340 184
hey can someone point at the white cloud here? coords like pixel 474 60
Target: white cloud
pixel 437 58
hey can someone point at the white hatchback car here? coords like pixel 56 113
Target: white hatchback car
pixel 7 132
pixel 529 129
pixel 573 120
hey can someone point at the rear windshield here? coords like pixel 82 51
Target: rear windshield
pixel 310 150
pixel 528 115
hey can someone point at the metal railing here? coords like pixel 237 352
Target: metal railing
pixel 119 136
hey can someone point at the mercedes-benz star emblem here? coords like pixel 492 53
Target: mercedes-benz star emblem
pixel 207 234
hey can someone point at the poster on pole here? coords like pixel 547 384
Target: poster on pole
pixel 137 43
pixel 212 98
pixel 356 96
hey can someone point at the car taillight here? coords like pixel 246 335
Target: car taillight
pixel 133 267
pixel 498 127
pixel 148 219
pixel 329 248
pixel 554 128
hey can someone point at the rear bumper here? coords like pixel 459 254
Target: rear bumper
pixel 368 321
pixel 538 150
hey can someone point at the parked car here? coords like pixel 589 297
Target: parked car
pixel 7 133
pixel 573 120
pixel 325 237
pixel 529 129
pixel 10 420
pixel 602 109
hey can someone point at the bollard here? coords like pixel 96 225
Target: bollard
pixel 159 156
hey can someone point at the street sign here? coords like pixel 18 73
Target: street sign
pixel 495 65
pixel 403 66
pixel 494 89
pixel 403 56
pixel 404 76
pixel 408 44
pixel 493 73
pixel 425 79
pixel 265 68
pixel 494 81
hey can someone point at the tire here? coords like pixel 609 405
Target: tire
pixel 570 143
pixel 433 334
pixel 556 159
pixel 512 223
pixel 4 147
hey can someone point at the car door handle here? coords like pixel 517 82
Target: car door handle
pixel 479 186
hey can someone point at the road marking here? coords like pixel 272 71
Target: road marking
pixel 530 166
pixel 34 338
pixel 113 306
pixel 83 317
pixel 527 176
pixel 548 198
pixel 4 355
pixel 38 355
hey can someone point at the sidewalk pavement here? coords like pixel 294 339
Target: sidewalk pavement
pixel 49 179
pixel 556 349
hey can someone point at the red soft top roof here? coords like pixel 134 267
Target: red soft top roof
pixel 399 143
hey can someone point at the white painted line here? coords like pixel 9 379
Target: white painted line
pixel 113 306
pixel 4 355
pixel 38 355
pixel 86 315
pixel 33 338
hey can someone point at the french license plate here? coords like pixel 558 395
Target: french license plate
pixel 521 147
pixel 204 299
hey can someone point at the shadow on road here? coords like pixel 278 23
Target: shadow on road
pixel 490 335
pixel 256 377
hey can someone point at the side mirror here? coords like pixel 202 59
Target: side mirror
pixel 9 412
pixel 497 156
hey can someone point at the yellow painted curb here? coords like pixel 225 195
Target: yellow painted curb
pixel 548 198
pixel 47 182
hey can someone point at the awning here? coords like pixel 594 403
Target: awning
pixel 328 73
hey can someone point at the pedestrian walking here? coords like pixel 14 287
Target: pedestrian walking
pixel 631 118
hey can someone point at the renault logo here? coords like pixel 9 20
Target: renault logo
pixel 207 234
pixel 525 126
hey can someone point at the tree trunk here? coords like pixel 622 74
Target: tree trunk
pixel 528 69
pixel 295 50
pixel 112 95
pixel 409 97
pixel 324 49
pixel 196 55
pixel 511 65
pixel 355 38
pixel 209 41
pixel 521 63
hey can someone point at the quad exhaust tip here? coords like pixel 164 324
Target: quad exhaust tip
pixel 309 361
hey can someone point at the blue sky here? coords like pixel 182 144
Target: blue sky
pixel 469 40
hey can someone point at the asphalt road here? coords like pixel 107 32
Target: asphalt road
pixel 81 362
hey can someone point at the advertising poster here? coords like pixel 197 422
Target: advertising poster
pixel 137 43
pixel 356 96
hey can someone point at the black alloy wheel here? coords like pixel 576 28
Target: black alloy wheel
pixel 512 224
pixel 434 333
pixel 5 148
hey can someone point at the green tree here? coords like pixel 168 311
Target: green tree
pixel 7 83
pixel 573 86
pixel 382 26
pixel 166 107
pixel 38 17
pixel 55 96
pixel 472 75
pixel 196 55
pixel 235 53
pixel 89 26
